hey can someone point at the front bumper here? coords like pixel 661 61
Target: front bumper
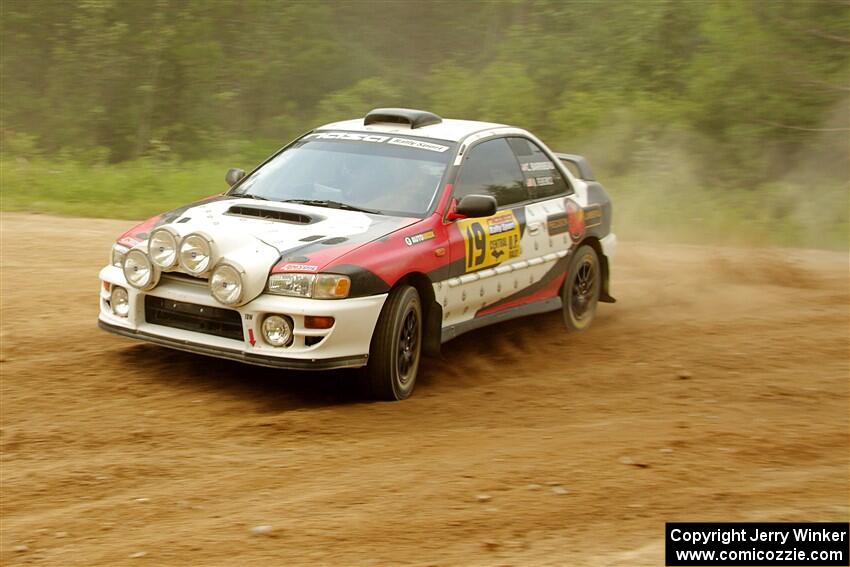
pixel 238 355
pixel 345 344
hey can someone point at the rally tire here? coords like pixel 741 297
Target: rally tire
pixel 396 346
pixel 580 294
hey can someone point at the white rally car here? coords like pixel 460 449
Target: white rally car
pixel 366 243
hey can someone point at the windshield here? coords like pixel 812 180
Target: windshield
pixel 389 174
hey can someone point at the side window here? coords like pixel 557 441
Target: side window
pixel 542 177
pixel 491 169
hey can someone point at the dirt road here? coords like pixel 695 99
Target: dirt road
pixel 715 389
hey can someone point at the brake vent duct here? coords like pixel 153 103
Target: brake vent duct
pixel 271 214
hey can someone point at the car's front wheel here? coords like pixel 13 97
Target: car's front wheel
pixel 580 294
pixel 396 346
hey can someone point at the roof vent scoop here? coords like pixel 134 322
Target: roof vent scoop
pixel 416 118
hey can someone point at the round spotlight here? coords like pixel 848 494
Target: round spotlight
pixel 138 270
pixel 119 301
pixel 277 330
pixel 226 284
pixel 195 253
pixel 162 248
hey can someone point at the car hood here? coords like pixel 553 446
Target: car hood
pixel 304 235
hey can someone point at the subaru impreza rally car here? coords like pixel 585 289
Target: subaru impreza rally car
pixel 366 243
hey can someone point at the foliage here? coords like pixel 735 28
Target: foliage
pixel 683 100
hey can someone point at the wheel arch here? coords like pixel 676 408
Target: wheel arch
pixel 594 243
pixel 432 311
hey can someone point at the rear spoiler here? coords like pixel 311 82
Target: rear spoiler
pixel 580 163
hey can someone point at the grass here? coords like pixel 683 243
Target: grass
pixel 132 190
pixel 659 210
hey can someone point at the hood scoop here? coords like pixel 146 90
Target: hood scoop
pixel 272 214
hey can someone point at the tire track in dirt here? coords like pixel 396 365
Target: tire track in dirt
pixel 715 389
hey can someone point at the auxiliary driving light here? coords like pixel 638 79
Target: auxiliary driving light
pixel 226 284
pixel 138 270
pixel 277 330
pixel 195 252
pixel 119 301
pixel 162 248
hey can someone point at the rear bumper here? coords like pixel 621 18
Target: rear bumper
pixel 240 356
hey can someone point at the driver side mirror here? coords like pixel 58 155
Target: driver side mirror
pixel 234 176
pixel 474 206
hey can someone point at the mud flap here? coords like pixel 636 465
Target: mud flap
pixel 604 296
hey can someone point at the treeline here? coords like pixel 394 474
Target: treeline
pixel 713 93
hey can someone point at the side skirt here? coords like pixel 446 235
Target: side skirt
pixel 452 331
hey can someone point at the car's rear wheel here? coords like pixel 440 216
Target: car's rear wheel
pixel 580 294
pixel 396 346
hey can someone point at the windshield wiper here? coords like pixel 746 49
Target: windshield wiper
pixel 332 205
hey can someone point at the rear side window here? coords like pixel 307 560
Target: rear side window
pixel 542 177
pixel 491 169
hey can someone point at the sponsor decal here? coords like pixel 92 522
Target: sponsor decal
pixel 490 241
pixel 557 224
pixel 299 268
pixel 128 241
pixel 537 166
pixel 501 223
pixel 418 144
pixel 593 216
pixel 349 136
pixel 543 181
pixel 530 182
pixel 575 220
pixel 377 139
pixel 419 238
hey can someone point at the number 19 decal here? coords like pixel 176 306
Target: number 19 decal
pixel 491 240
pixel 476 245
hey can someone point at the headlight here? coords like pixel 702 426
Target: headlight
pixel 298 285
pixel 321 286
pixel 138 270
pixel 226 284
pixel 277 330
pixel 195 252
pixel 162 248
pixel 331 286
pixel 119 301
pixel 118 253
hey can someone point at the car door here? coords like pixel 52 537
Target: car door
pixel 484 250
pixel 548 217
pixel 549 193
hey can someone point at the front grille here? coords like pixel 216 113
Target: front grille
pixel 192 317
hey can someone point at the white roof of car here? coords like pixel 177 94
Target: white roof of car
pixel 448 129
